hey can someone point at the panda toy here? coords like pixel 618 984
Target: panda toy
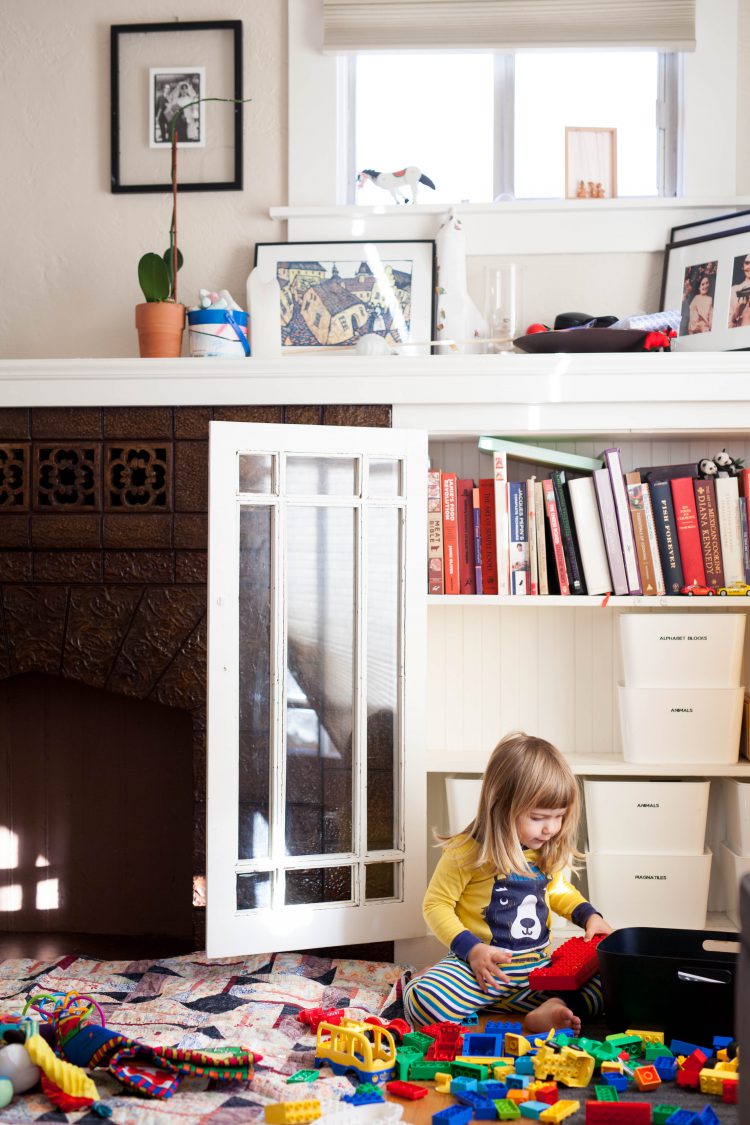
pixel 707 468
pixel 728 466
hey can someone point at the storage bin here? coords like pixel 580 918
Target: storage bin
pixel 673 724
pixel 655 817
pixel 675 981
pixel 700 650
pixel 733 867
pixel 462 795
pixel 650 890
pixel 737 809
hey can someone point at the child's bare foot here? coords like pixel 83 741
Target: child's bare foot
pixel 552 1013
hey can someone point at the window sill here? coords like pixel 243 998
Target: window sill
pixel 517 227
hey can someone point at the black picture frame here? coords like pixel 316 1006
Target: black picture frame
pixel 136 52
pixel 719 257
pixel 704 228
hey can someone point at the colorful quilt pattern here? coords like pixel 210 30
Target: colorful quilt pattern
pixel 191 1003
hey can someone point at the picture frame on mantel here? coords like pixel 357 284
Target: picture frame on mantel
pixel 155 68
pixel 333 293
pixel 590 162
pixel 708 280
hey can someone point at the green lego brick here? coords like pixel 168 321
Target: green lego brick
pixel 419 1040
pixel 606 1094
pixel 304 1076
pixel 426 1070
pixel 506 1110
pixel 406 1057
pixel 657 1051
pixel 662 1113
pixel 470 1070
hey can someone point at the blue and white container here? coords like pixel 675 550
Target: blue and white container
pixel 218 332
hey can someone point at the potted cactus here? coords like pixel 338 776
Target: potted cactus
pixel 160 320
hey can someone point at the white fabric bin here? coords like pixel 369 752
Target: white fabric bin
pixel 733 867
pixel 737 810
pixel 462 795
pixel 660 817
pixel 702 650
pixel 674 724
pixel 670 891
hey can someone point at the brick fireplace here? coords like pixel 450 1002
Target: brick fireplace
pixel 103 556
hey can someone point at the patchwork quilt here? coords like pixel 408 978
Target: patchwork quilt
pixel 191 1003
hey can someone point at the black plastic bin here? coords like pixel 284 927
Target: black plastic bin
pixel 675 981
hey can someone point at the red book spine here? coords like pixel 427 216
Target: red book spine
pixel 745 483
pixel 450 534
pixel 488 535
pixel 708 529
pixel 688 537
pixel 550 505
pixel 465 510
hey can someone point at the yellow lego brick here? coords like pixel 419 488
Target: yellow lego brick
pixel 293 1113
pixel 442 1083
pixel 647 1036
pixel 503 1067
pixel 559 1111
pixel 516 1045
pixel 712 1081
pixel 478 1060
pixel 612 1066
pixel 731 1065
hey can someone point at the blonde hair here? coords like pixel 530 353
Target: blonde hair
pixel 523 773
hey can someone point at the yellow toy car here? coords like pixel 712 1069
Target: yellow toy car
pixel 737 589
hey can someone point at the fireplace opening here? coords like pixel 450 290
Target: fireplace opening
pixel 96 817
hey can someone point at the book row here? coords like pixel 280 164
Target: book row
pixel 654 531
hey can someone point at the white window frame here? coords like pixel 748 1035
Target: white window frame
pixel 707 106
pixel 233 932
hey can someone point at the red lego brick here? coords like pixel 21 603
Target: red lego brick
pixel 397 1027
pixel 729 1090
pixel 313 1016
pixel 573 963
pixel 410 1090
pixel 689 1078
pixel 618 1113
pixel 695 1061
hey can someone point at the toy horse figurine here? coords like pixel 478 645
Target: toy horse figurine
pixel 394 182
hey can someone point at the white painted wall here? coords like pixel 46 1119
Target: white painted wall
pixel 70 248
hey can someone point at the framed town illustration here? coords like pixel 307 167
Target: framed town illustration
pixel 333 293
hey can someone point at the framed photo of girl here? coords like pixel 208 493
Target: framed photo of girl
pixel 708 280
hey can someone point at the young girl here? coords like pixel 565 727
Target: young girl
pixel 489 900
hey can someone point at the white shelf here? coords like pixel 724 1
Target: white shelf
pixel 605 765
pixel 588 601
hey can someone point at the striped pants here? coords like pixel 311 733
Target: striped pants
pixel 449 991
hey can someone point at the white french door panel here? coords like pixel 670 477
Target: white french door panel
pixel 316 687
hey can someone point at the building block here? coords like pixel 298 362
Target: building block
pixel 646 1036
pixel 680 1047
pixel 518 1081
pixel 461 1083
pixel 409 1090
pixel 573 963
pixel 624 1113
pixel 507 1110
pixel 493 1090
pixel 570 1066
pixel 533 1109
pixel 515 1045
pixel 480 1071
pixel 364 1094
pixel 525 1065
pixel 662 1113
pixel 606 1094
pixel 657 1051
pixel 398 1028
pixel 313 1016
pixel 646 1078
pixel 471 1020
pixel 665 1067
pixel 443 1083
pixel 707 1116
pixel 418 1040
pixel 546 1092
pixel 489 1046
pixel 683 1117
pixel 502 1069
pixel 618 1082
pixel 729 1093
pixel 688 1079
pixel 501 1027
pixel 560 1110
pixel 483 1108
pixel 696 1060
pixel 421 1069
pixel 291 1113
pixel 721 1041
pixel 452 1115
pixel 518 1096
pixel 304 1076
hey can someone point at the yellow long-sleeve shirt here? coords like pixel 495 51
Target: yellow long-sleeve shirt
pixel 464 905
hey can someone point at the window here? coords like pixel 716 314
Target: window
pixel 485 125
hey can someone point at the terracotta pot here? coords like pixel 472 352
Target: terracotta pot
pixel 160 327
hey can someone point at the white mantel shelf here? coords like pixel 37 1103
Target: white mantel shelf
pixel 448 395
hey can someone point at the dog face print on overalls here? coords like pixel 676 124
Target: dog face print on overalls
pixel 517 911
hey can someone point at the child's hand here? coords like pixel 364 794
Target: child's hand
pixel 484 961
pixel 596 925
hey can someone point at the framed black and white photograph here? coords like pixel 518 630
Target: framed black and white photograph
pixel 175 102
pixel 182 75
pixel 334 293
pixel 708 280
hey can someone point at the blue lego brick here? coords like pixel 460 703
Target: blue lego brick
pixel 525 1065
pixel 495 1091
pixel 683 1117
pixel 680 1047
pixel 617 1081
pixel 461 1083
pixel 364 1095
pixel 452 1115
pixel 721 1041
pixel 482 1046
pixel 517 1081
pixel 665 1067
pixel 533 1109
pixel 477 1102
pixel 471 1020
pixel 502 1027
pixel 708 1117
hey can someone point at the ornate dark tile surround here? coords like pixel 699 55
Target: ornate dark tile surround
pixel 103 551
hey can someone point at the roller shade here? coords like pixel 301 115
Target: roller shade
pixel 388 25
